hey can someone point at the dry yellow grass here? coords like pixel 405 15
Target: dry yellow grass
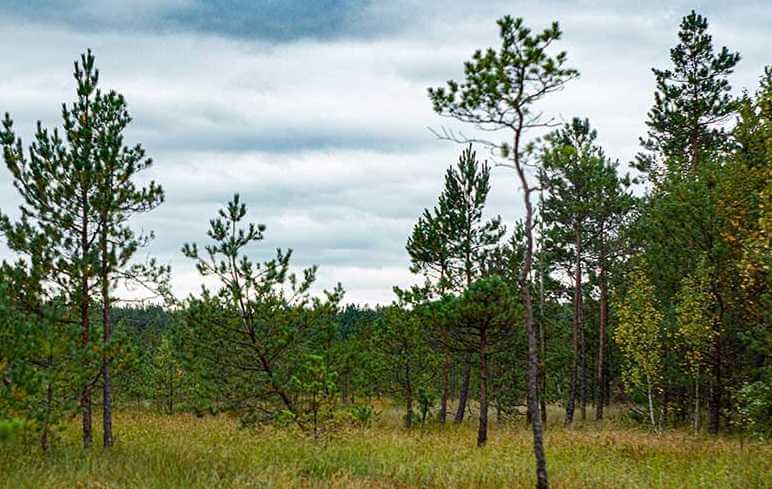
pixel 181 451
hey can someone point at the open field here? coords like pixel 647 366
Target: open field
pixel 182 451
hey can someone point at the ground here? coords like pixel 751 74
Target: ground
pixel 182 451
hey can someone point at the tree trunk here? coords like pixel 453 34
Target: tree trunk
pixel 715 392
pixel 464 395
pixel 445 389
pixel 45 440
pixel 696 403
pixel 575 327
pixel 409 410
pixel 651 408
pixel 600 400
pixel 85 399
pixel 533 345
pixel 482 432
pixel 541 331
pixel 715 387
pixel 107 334
pixel 582 371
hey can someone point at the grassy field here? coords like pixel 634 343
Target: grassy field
pixel 181 451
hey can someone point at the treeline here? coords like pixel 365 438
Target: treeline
pixel 650 289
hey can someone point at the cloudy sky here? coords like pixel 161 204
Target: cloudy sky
pixel 315 111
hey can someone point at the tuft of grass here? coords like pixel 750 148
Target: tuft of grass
pixel 182 451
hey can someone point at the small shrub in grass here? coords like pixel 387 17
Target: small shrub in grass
pixel 754 408
pixel 426 400
pixel 363 415
pixel 10 428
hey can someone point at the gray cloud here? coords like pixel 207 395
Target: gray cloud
pixel 316 112
pixel 271 20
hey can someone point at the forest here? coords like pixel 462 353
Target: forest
pixel 617 335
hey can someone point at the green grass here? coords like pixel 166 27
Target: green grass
pixel 181 451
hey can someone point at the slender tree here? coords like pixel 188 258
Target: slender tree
pixel 406 352
pixel 571 159
pixel 639 336
pixel 59 224
pixel 499 93
pixel 116 200
pixel 451 243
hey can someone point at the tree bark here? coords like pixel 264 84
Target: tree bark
pixel 409 410
pixel 715 391
pixel 533 345
pixel 582 370
pixel 541 331
pixel 464 394
pixel 600 400
pixel 716 386
pixel 107 334
pixel 443 416
pixel 45 440
pixel 482 432
pixel 651 408
pixel 85 399
pixel 696 403
pixel 575 326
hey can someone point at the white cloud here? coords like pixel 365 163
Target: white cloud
pixel 327 140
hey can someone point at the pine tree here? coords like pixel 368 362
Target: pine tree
pixel 692 101
pixel 117 199
pixel 451 244
pixel 571 161
pixel 59 223
pixel 499 93
pixel 247 336
pixel 481 319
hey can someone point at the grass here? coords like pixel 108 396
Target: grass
pixel 181 451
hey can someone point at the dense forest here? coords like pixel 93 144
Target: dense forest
pixel 634 289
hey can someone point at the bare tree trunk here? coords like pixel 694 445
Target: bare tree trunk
pixel 541 331
pixel 85 399
pixel 542 378
pixel 714 405
pixel 170 401
pixel 533 344
pixel 409 410
pixel 443 416
pixel 482 432
pixel 45 440
pixel 600 400
pixel 582 371
pixel 107 333
pixel 697 403
pixel 464 395
pixel 651 407
pixel 575 327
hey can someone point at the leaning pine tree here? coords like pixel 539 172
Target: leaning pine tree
pixel 499 93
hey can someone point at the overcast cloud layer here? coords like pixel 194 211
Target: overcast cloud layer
pixel 316 111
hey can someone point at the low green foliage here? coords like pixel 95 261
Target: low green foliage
pixel 182 451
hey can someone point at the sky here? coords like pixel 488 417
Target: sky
pixel 316 113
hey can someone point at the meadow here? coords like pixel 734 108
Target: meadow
pixel 183 451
